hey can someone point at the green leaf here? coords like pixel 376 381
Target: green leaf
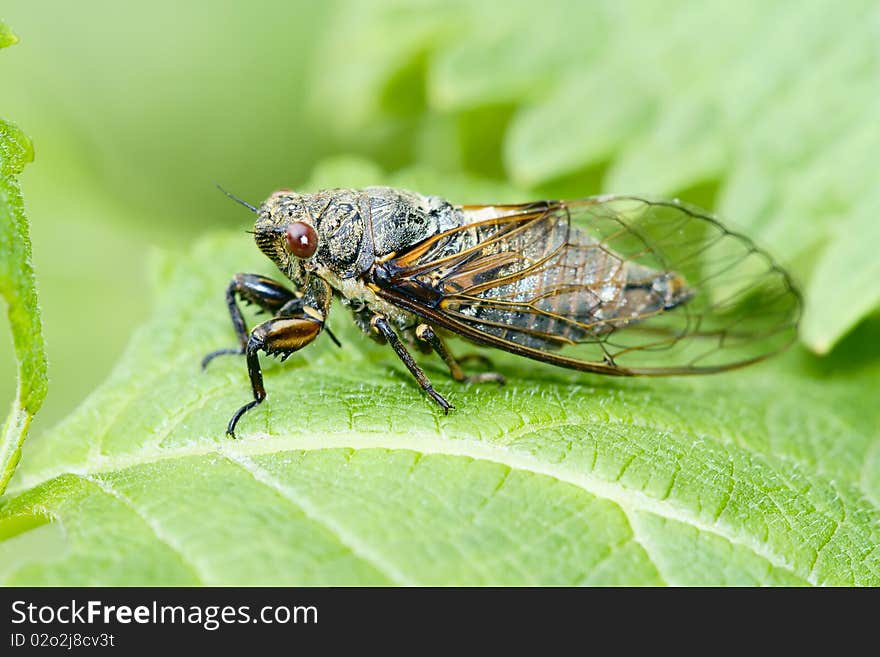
pixel 366 49
pixel 7 38
pixel 348 475
pixel 847 292
pixel 490 65
pixel 18 288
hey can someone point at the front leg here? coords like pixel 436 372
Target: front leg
pixel 250 288
pixel 271 297
pixel 279 336
pixel 299 319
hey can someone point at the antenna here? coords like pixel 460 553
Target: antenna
pixel 237 200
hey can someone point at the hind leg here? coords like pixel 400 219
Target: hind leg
pixel 427 335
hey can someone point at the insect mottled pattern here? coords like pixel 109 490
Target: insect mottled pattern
pixel 614 285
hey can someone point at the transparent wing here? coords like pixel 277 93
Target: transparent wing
pixel 613 284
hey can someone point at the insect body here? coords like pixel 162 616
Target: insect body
pixel 609 284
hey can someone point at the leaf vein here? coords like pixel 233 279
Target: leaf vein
pixel 154 526
pixel 356 545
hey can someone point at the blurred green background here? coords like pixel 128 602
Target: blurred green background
pixel 766 111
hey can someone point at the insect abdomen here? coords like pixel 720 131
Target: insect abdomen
pixel 579 289
pixel 577 294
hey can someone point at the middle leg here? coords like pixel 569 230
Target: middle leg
pixel 381 326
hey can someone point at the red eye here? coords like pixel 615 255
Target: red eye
pixel 302 240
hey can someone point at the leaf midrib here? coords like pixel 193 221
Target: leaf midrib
pixel 628 500
pixel 602 416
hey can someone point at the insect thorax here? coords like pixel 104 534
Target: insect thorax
pixel 357 228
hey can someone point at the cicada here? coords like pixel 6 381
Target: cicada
pixel 615 285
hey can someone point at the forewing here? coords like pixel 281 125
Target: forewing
pixel 614 284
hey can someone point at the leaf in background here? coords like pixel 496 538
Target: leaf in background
pixel 557 136
pixel 18 288
pixel 514 54
pixel 347 475
pixel 846 291
pixel 7 38
pixel 367 45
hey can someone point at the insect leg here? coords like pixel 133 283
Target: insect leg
pixel 426 334
pixel 383 328
pixel 278 336
pixel 251 288
pixel 485 361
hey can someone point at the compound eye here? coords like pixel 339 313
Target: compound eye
pixel 302 240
